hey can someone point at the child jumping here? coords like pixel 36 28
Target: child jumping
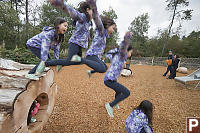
pixel 140 119
pixel 104 27
pixel 117 57
pixel 50 37
pixel 79 39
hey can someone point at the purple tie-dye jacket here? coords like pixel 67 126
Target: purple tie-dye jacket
pixel 81 33
pixel 117 58
pixel 44 41
pixel 99 42
pixel 136 121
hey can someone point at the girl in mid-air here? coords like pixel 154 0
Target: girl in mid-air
pixel 117 57
pixel 104 27
pixel 50 37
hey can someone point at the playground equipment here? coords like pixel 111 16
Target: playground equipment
pixel 18 93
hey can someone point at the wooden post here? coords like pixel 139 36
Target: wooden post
pixel 17 94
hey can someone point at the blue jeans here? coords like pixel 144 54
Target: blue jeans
pixel 168 69
pixel 72 50
pixel 36 52
pixel 95 63
pixel 121 92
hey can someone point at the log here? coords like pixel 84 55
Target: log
pixel 17 94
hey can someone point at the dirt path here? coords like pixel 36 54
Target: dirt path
pixel 80 102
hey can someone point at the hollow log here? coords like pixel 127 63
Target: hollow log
pixel 17 94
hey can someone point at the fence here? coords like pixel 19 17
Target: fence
pixel 190 63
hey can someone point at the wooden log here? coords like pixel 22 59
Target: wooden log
pixel 17 94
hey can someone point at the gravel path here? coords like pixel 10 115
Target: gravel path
pixel 80 101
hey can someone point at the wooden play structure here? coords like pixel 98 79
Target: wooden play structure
pixel 17 94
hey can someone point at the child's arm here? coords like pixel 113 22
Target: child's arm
pixel 74 14
pixel 148 129
pixel 56 51
pixel 125 43
pixel 96 16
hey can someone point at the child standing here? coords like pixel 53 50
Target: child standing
pixel 50 37
pixel 140 119
pixel 79 39
pixel 117 57
pixel 104 27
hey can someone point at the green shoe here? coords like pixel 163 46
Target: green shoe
pixel 58 68
pixel 32 76
pixel 109 109
pixel 40 68
pixel 89 73
pixel 76 58
pixel 117 106
pixel 33 120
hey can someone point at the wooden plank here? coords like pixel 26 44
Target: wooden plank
pixel 9 73
pixel 12 65
pixel 7 97
pixel 10 82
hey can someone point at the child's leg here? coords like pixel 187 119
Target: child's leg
pixel 36 52
pixel 95 63
pixel 122 92
pixel 72 50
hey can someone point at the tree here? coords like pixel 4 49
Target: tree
pixel 139 27
pixel 174 5
pixel 9 21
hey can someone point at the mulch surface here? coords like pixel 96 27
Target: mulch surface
pixel 79 106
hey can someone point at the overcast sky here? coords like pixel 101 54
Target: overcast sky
pixel 159 18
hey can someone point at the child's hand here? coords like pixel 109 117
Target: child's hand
pixel 128 35
pixel 92 2
pixel 57 3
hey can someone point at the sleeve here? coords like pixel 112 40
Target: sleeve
pixel 125 43
pixel 96 17
pixel 111 53
pixel 56 51
pixel 74 14
pixel 45 47
pixel 148 129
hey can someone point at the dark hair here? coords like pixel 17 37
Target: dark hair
pixel 107 22
pixel 58 37
pixel 129 48
pixel 83 9
pixel 147 108
pixel 177 56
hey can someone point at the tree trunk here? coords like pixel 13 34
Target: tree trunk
pixel 17 94
pixel 27 20
pixel 170 27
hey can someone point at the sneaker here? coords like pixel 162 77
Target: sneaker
pixel 33 120
pixel 40 68
pixel 58 68
pixel 109 109
pixel 117 106
pixel 76 58
pixel 32 76
pixel 89 73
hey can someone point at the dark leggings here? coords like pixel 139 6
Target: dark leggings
pixel 95 63
pixel 121 92
pixel 72 50
pixel 36 52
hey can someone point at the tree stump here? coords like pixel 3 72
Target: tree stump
pixel 17 94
